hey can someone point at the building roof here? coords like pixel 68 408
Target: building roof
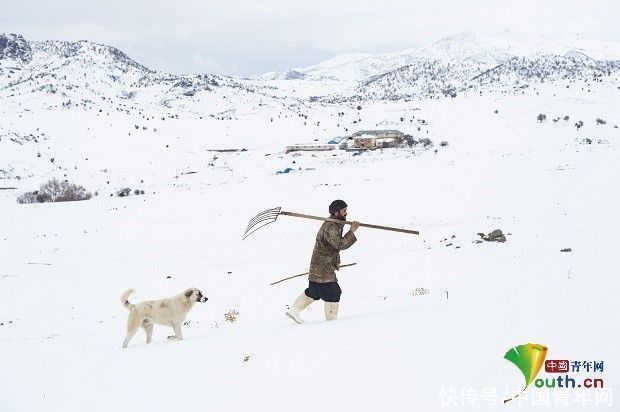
pixel 375 132
pixel 312 144
pixel 337 140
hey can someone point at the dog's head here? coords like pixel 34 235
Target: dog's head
pixel 195 295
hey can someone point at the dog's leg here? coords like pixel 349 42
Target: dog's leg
pixel 177 331
pixel 133 324
pixel 148 329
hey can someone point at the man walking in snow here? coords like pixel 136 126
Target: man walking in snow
pixel 323 283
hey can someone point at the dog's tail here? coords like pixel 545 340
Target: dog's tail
pixel 125 297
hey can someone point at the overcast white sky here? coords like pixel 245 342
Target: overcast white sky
pixel 245 37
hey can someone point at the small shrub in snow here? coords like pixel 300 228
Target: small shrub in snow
pixel 56 191
pixel 420 291
pixel 410 140
pixel 541 117
pixel 123 192
pixel 579 124
pixel 443 144
pixel 600 121
pixel 426 142
pixel 28 197
pixel 63 191
pixel 231 315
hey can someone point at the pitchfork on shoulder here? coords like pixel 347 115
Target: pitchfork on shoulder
pixel 271 215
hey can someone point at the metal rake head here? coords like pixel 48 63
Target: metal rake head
pixel 262 219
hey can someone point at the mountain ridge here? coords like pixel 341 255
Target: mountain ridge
pixel 490 50
pixel 83 72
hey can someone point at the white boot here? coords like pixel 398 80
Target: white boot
pixel 331 310
pixel 301 303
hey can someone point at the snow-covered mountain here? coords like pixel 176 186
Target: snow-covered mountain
pixel 61 74
pixel 94 75
pixel 448 78
pixel 466 48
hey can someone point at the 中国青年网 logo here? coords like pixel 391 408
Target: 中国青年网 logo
pixel 531 357
pixel 561 382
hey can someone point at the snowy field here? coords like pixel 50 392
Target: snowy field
pixel 64 266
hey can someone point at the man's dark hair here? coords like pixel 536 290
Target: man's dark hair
pixel 336 205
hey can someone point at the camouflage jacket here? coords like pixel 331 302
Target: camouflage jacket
pixel 326 255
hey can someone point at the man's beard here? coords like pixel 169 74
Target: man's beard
pixel 340 217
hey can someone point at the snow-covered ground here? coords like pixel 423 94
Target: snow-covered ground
pixel 64 266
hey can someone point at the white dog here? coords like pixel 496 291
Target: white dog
pixel 168 312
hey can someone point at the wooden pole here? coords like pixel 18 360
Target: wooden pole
pixel 306 273
pixel 346 222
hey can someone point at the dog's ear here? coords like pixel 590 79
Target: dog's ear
pixel 188 293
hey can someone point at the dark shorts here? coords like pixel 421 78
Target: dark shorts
pixel 329 292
